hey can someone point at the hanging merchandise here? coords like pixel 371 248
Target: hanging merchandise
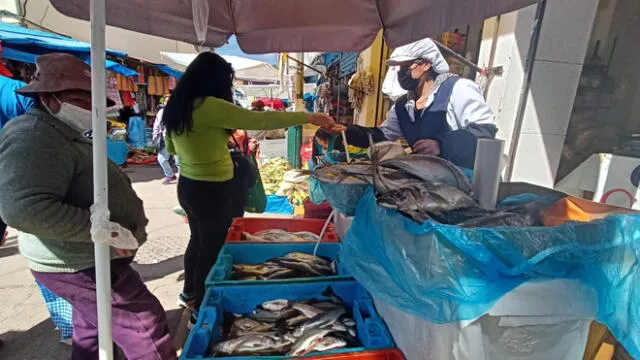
pixel 124 83
pixel 158 85
pixel 112 92
pixel 324 98
pixel 141 79
pixel 127 99
pixel 360 85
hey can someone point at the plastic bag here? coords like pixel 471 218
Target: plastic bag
pixel 256 198
pixel 446 273
pixel 136 131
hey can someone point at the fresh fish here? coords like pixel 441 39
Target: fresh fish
pixel 352 332
pixel 246 324
pixel 420 201
pixel 276 305
pixel 307 310
pixel 307 342
pixel 277 235
pixel 320 321
pixel 289 266
pixel 296 320
pixel 425 168
pixel 273 316
pixel 329 343
pixel 349 322
pixel 325 305
pixel 244 344
pixel 338 326
pixel 328 293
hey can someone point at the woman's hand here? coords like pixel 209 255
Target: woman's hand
pixel 337 129
pixel 320 119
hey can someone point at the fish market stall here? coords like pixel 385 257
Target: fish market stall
pixel 456 281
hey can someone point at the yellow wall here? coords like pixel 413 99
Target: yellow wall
pixel 374 59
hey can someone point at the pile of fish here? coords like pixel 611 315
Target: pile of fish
pixel 282 327
pixel 423 188
pixel 277 235
pixel 290 266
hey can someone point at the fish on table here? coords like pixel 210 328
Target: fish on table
pixel 285 327
pixel 277 235
pixel 289 266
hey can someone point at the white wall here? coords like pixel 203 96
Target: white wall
pixel 566 30
pixel 137 45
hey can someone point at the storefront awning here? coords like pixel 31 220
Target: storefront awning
pixel 40 42
pixel 12 54
pixel 294 25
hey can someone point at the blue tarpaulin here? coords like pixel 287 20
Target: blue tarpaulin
pixel 445 273
pixel 169 70
pixel 25 45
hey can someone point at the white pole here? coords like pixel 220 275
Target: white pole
pixel 100 195
pixel 486 171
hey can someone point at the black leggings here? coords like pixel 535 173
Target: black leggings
pixel 209 209
pixel 3 228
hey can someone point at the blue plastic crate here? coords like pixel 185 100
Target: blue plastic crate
pixel 371 330
pixel 220 274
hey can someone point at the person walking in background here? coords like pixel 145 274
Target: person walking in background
pixel 241 147
pixel 199 119
pixel 49 202
pixel 164 157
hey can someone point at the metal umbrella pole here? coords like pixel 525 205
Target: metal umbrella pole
pixel 100 181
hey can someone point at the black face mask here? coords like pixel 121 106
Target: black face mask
pixel 406 81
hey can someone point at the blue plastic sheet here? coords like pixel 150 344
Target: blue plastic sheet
pixel 278 205
pixel 136 132
pixel 117 151
pixel 445 273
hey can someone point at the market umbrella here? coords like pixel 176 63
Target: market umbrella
pixel 261 26
pixel 266 26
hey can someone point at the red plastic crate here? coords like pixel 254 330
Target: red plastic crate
pixel 253 225
pixel 393 354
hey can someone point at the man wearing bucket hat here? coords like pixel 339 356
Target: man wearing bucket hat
pixel 442 114
pixel 46 192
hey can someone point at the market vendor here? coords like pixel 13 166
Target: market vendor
pixel 442 114
pixel 46 192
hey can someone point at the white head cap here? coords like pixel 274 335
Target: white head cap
pixel 424 49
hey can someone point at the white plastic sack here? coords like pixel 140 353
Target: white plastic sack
pixel 539 321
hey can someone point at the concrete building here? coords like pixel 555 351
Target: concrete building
pixel 582 97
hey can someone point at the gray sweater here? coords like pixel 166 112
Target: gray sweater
pixel 46 190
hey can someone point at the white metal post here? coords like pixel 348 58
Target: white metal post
pixel 100 194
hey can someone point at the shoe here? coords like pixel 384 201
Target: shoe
pixel 168 179
pixel 186 300
pixel 192 320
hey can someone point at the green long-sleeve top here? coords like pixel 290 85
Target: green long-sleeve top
pixel 203 151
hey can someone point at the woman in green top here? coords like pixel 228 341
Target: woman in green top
pixel 199 118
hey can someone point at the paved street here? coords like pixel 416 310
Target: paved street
pixel 25 326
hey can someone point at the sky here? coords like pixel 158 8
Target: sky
pixel 232 48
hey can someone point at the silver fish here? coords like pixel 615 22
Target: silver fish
pixel 273 316
pixel 246 324
pixel 319 321
pixel 329 343
pixel 306 343
pixel 307 310
pixel 338 326
pixel 244 344
pixel 276 305
pixel 348 322
pixel 296 320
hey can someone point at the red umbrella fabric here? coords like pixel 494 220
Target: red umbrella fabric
pixel 264 26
